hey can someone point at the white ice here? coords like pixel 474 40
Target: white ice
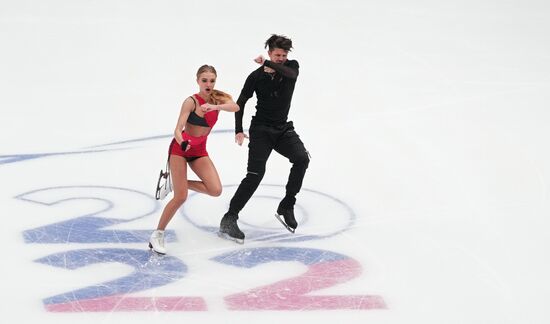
pixel 427 122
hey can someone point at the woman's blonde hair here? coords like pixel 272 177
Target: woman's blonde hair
pixel 216 97
pixel 219 97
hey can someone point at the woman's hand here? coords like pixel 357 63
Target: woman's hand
pixel 185 145
pixel 209 107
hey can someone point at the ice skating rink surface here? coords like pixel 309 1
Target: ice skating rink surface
pixel 426 199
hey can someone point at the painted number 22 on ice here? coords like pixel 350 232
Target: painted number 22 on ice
pixel 324 268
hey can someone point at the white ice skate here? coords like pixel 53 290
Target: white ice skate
pixel 156 242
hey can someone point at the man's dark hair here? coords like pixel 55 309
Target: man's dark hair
pixel 278 41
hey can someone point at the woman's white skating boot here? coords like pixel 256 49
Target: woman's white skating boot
pixel 156 242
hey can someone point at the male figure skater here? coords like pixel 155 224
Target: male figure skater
pixel 273 82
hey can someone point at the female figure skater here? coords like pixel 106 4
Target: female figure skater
pixel 198 115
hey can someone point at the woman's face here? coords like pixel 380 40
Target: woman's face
pixel 206 81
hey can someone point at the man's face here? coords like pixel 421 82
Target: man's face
pixel 278 55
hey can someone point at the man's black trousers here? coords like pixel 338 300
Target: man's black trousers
pixel 264 139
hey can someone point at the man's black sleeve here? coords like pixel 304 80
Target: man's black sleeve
pixel 289 69
pixel 246 93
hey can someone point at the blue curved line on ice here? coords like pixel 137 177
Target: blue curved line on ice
pixel 14 158
pixel 279 235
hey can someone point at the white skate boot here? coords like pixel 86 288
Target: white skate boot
pixel 156 242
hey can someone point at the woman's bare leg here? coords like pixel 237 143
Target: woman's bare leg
pixel 210 183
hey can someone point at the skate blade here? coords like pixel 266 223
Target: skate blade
pixel 151 248
pixel 281 219
pixel 230 238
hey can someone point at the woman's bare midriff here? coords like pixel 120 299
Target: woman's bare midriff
pixel 196 131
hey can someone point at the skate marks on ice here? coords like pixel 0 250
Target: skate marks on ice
pixel 319 215
pixel 324 269
pixel 101 229
pixel 107 206
pixel 115 295
pixel 150 271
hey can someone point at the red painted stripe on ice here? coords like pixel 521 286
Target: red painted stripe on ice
pixel 125 304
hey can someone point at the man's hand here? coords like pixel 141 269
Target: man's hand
pixel 260 59
pixel 239 138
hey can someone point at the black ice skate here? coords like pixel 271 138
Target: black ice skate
pixel 229 229
pixel 285 214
